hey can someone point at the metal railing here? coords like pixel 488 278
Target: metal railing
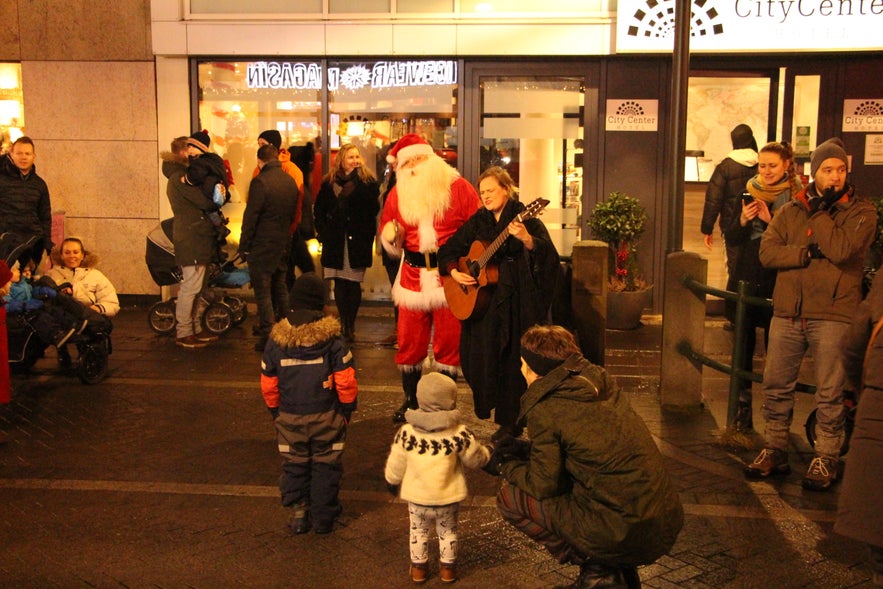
pixel 743 298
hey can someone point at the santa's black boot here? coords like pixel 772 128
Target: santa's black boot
pixel 409 385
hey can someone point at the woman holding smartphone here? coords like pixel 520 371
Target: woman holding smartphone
pixel 772 187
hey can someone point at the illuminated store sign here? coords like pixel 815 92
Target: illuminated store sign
pixel 863 116
pixel 632 115
pixel 380 75
pixel 752 25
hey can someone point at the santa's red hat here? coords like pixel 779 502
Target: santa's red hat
pixel 407 147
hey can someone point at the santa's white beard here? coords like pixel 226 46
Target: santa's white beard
pixel 425 190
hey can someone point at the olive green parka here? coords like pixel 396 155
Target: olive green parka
pixel 595 468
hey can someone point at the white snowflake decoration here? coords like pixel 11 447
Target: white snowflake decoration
pixel 354 77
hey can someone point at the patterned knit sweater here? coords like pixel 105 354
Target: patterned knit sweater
pixel 429 465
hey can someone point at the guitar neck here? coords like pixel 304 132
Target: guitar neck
pixel 485 257
pixel 531 211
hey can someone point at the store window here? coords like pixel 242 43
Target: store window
pixel 372 104
pixel 12 120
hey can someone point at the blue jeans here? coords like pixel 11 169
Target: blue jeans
pixel 270 293
pixel 191 285
pixel 790 339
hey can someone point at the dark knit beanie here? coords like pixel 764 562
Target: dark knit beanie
pixel 743 137
pixel 273 137
pixel 306 299
pixel 436 392
pixel 200 140
pixel 832 148
pixel 542 365
pixel 5 277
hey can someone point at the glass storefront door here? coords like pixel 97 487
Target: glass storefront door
pixel 532 125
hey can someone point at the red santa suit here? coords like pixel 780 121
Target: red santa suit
pixel 418 290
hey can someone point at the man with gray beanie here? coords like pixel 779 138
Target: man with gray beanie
pixel 817 243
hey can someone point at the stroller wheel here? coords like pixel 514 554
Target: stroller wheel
pixel 161 317
pixel 239 308
pixel 218 318
pixel 92 365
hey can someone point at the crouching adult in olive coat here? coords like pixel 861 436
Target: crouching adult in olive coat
pixel 591 486
pixel 860 511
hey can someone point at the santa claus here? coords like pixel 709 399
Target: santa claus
pixel 428 204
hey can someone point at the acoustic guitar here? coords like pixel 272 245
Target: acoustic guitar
pixel 472 301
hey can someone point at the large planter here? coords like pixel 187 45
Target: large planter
pixel 624 308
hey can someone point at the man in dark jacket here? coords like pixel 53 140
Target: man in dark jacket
pixel 25 208
pixel 194 237
pixel 590 486
pixel 728 182
pixel 266 238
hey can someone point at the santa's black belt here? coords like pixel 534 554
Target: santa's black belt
pixel 428 260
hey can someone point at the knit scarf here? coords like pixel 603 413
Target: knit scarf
pixel 344 184
pixel 768 194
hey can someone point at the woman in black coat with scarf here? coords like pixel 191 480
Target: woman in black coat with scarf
pixel 528 269
pixel 345 215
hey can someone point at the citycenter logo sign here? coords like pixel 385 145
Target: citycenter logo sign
pixel 377 76
pixel 752 25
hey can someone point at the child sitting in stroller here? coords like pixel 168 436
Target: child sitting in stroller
pixel 54 317
pixel 207 172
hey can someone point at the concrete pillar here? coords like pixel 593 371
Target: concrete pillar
pixel 683 313
pixel 589 297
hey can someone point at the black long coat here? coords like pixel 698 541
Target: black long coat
pixel 860 512
pixel 266 223
pixel 490 349
pixel 350 220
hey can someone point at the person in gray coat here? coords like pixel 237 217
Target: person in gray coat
pixel 266 238
pixel 195 245
pixel 860 511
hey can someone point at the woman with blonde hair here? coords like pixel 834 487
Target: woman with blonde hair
pixel 345 215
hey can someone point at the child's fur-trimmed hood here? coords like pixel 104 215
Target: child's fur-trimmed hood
pixel 309 334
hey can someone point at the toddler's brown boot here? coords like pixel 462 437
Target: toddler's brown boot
pixel 418 572
pixel 447 572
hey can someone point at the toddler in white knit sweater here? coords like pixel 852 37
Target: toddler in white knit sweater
pixel 425 466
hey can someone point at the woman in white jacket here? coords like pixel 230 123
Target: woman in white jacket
pixel 73 269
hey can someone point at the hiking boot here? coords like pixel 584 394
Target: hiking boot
pixel 447 572
pixel 190 342
pixel 821 474
pixel 769 462
pixel 417 572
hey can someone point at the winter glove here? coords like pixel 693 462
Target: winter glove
pixel 813 252
pixel 274 411
pixel 510 447
pixel 45 292
pixel 392 489
pixel 829 198
pixel 15 306
pixel 242 256
pixel 493 466
pixel 347 409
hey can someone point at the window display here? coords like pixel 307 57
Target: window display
pixel 12 120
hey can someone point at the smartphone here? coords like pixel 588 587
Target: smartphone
pixel 747 198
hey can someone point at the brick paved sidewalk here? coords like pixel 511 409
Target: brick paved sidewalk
pixel 165 475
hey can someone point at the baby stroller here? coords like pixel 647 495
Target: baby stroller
pixel 26 347
pixel 221 311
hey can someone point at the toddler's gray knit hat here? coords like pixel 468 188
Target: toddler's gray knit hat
pixel 436 392
pixel 832 148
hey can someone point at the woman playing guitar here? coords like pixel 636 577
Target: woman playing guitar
pixel 498 298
